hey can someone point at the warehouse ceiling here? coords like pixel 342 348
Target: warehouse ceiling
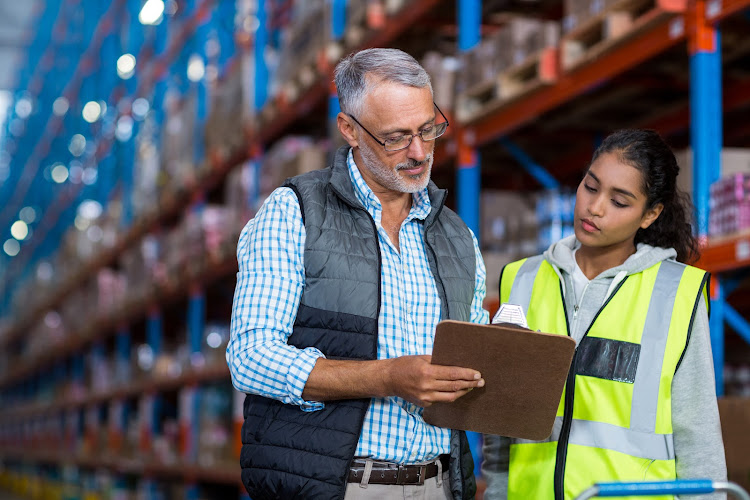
pixel 17 19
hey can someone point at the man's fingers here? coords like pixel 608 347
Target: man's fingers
pixel 457 385
pixel 444 396
pixel 455 373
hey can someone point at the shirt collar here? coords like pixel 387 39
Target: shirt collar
pixel 420 207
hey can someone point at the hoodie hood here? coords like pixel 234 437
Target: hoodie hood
pixel 560 255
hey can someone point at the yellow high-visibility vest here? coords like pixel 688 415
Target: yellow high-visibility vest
pixel 614 421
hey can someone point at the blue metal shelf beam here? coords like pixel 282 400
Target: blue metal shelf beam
pixel 468 177
pixel 165 52
pixel 533 168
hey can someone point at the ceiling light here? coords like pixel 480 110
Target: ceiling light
pixel 77 145
pixel 27 214
pixel 196 69
pixel 91 111
pixel 124 130
pixel 152 12
pixel 60 173
pixel 23 107
pixel 126 66
pixel 140 108
pixel 60 106
pixel 19 230
pixel 12 247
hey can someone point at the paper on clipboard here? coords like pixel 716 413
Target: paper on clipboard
pixel 524 373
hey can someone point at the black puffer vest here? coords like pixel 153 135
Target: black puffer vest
pixel 289 453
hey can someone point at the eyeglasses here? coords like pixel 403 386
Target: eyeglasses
pixel 403 141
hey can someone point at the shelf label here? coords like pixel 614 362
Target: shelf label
pixel 677 27
pixel 713 8
pixel 742 250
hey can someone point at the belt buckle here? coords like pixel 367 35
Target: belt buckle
pixel 404 477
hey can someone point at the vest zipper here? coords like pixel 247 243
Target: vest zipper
pixel 570 388
pixel 380 272
pixel 438 279
pixel 562 451
pixel 377 315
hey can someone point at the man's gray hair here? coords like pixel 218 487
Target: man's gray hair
pixel 360 72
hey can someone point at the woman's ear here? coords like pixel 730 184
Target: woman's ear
pixel 651 215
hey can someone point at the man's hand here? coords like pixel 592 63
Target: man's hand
pixel 414 379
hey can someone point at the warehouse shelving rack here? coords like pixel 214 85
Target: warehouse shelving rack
pixel 174 201
pixel 697 25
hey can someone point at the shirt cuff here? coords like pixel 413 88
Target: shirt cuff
pixel 297 376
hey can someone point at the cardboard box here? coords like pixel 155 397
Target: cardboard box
pixel 508 222
pixel 494 263
pixel 733 161
pixel 735 420
pixel 523 37
pixel 289 157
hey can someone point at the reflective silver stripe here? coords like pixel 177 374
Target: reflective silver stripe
pixel 653 346
pixel 611 437
pixel 520 292
pixel 628 441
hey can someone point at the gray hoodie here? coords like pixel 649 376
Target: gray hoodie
pixel 698 445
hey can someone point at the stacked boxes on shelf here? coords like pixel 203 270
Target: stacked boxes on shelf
pixel 555 215
pixel 361 14
pixel 215 424
pixel 729 196
pixel 241 194
pixel 143 266
pixel 729 205
pixel 303 46
pixel 147 177
pixel 177 155
pixel 520 55
pixel 592 26
pixel 577 12
pixel 521 37
pixel 205 231
pixel 292 155
pixel 737 380
pixel 443 70
pixel 230 110
pixel 508 222
pixel 508 231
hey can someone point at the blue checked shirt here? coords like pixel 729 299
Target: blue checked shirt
pixel 270 281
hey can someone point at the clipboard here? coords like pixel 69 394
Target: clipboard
pixel 524 373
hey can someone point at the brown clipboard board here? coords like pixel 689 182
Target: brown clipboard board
pixel 524 373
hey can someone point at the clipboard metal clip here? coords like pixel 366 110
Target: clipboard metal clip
pixel 510 313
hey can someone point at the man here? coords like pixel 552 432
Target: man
pixel 343 275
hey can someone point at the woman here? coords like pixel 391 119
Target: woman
pixel 639 403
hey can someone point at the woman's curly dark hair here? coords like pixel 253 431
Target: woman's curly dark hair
pixel 647 151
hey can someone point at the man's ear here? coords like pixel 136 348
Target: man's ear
pixel 346 127
pixel 651 215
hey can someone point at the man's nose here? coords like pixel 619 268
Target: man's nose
pixel 417 150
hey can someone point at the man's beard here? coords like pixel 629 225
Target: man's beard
pixel 389 178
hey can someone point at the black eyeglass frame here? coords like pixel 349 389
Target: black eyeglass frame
pixel 411 136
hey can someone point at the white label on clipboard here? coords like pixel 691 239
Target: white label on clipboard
pixel 510 313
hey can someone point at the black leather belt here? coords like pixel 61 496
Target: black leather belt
pixel 392 473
